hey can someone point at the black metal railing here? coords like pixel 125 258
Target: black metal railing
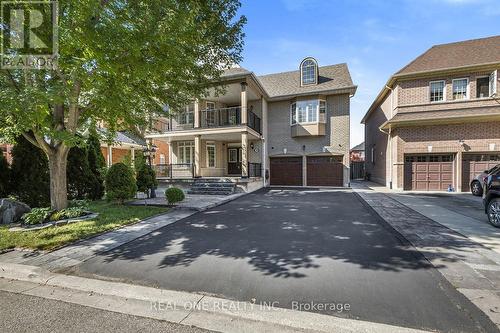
pixel 254 122
pixel 181 170
pixel 224 117
pixel 254 170
pixel 221 117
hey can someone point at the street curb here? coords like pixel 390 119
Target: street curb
pixel 180 307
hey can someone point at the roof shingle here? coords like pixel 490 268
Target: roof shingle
pixel 460 54
pixel 288 83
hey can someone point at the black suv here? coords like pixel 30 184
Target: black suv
pixel 491 197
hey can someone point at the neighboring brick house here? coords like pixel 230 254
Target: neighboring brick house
pixel 6 150
pixel 436 123
pixel 288 128
pixel 357 153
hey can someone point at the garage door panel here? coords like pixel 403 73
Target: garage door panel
pixel 325 171
pixel 286 171
pixel 474 164
pixel 428 172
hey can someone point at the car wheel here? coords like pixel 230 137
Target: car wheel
pixel 494 212
pixel 476 188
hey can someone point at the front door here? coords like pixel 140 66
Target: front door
pixel 234 161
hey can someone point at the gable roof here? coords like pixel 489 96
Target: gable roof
pixel 334 77
pixel 124 137
pixel 361 146
pixel 459 54
pixel 235 72
pixel 444 57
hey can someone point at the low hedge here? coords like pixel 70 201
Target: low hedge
pixel 174 195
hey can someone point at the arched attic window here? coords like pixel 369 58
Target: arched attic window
pixel 308 72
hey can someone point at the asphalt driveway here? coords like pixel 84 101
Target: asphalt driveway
pixel 295 247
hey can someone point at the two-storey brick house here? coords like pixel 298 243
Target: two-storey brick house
pixel 436 123
pixel 288 128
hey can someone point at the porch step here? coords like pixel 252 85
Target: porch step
pixel 213 186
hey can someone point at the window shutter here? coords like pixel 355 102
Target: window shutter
pixel 493 82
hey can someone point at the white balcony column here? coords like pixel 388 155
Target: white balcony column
pixel 197 114
pixel 244 103
pixel 132 154
pixel 244 155
pixel 110 155
pixel 197 156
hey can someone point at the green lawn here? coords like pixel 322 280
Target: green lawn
pixel 111 216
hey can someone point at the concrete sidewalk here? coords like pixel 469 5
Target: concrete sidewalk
pixel 201 311
pixel 469 266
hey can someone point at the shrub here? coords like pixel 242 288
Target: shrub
pixel 174 195
pixel 4 176
pixel 30 174
pixel 83 204
pixel 80 177
pixel 120 183
pixel 68 213
pixel 97 165
pixel 37 216
pixel 146 177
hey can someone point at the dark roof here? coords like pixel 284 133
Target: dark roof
pixel 125 137
pixel 235 71
pixel 332 77
pixel 460 54
pixel 361 146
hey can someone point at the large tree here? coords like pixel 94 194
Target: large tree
pixel 117 59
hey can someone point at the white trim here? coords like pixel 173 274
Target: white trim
pixel 209 145
pixel 493 89
pixel 444 91
pixel 467 88
pixel 482 77
pixel 319 100
pixel 316 72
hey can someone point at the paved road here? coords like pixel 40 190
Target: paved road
pixel 292 246
pixel 22 313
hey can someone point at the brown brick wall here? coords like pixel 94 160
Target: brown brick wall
pixel 378 140
pixel 162 149
pixel 117 154
pixel 6 149
pixel 445 139
pixel 416 91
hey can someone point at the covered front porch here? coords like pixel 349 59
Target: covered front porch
pixel 233 153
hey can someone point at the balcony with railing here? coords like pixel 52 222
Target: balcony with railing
pixel 211 118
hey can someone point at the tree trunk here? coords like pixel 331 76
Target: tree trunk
pixel 58 182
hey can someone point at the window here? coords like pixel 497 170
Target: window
pixel 322 111
pixel 210 114
pixel 162 159
pixel 460 88
pixel 308 71
pixel 437 91
pixel 483 87
pixel 187 116
pixel 185 150
pixel 310 111
pixel 493 83
pixel 373 155
pixel 211 155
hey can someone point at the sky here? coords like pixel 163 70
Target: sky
pixel 375 38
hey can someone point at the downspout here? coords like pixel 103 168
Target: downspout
pixel 390 139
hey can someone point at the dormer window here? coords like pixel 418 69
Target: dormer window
pixel 308 72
